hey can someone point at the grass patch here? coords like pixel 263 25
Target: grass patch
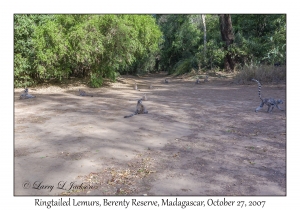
pixel 262 73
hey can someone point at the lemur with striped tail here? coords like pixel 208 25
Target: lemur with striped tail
pixel 140 109
pixel 270 102
pixel 83 93
pixel 25 94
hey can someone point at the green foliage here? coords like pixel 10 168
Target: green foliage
pixel 260 38
pixel 96 80
pixel 213 57
pixel 183 48
pixel 98 46
pixel 149 37
pixel 181 40
pixel 24 53
pixel 103 46
pixel 185 65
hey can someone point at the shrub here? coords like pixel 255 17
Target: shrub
pixel 266 73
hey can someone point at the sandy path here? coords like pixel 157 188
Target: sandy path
pixel 196 140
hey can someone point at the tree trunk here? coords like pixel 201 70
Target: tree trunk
pixel 204 30
pixel 156 67
pixel 228 37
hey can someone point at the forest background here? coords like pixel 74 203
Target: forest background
pixel 100 47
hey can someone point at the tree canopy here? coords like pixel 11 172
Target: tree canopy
pixel 98 46
pixel 103 46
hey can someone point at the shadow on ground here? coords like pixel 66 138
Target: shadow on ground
pixel 196 140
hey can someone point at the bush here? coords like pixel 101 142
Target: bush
pixel 264 73
pixel 97 46
pixel 185 66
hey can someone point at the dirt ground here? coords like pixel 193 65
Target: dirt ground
pixel 201 139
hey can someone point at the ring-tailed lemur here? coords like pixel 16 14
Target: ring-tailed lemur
pixel 144 98
pixel 83 93
pixel 135 87
pixel 166 81
pixel 25 91
pixel 197 81
pixel 25 94
pixel 206 79
pixel 140 109
pixel 270 102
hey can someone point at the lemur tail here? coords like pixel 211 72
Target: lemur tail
pixel 259 88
